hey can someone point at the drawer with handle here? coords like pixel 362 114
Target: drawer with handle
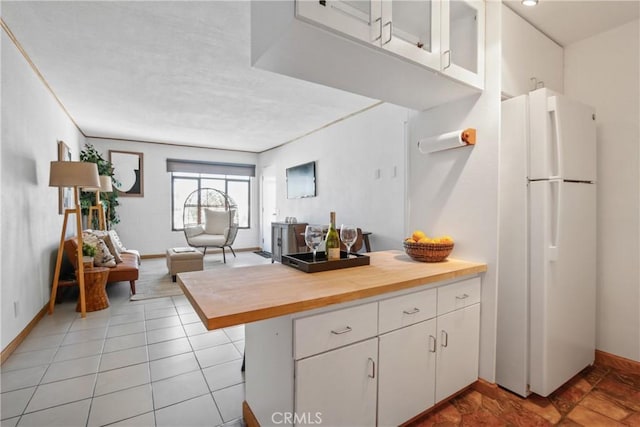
pixel 458 295
pixel 326 331
pixel 407 310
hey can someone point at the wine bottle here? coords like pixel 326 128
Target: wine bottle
pixel 332 243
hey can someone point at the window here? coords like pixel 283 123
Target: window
pixel 236 187
pixel 191 175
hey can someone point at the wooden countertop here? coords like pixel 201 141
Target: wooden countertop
pixel 227 297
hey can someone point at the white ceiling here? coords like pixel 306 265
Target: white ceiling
pixel 179 72
pixel 568 21
pixel 175 72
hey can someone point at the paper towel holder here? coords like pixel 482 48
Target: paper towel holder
pixel 447 141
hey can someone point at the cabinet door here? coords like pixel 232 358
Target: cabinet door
pixel 276 242
pixel 463 41
pixel 359 19
pixel 411 29
pixel 458 350
pixel 406 381
pixel 340 385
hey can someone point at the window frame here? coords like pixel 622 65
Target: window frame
pixel 199 178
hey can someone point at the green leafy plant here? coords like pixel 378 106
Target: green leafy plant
pixel 88 199
pixel 88 250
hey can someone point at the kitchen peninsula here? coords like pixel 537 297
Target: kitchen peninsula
pixel 368 345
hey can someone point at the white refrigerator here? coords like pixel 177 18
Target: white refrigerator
pixel 547 242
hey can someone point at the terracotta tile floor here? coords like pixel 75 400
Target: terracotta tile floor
pixel 598 396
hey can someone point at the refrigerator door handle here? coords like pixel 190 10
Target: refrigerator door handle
pixel 555 150
pixel 555 196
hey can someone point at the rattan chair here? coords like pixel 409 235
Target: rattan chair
pixel 210 219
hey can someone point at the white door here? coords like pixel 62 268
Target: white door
pixel 563 138
pixel 411 29
pixel 268 212
pixel 458 350
pixel 463 41
pixel 359 19
pixel 406 377
pixel 562 282
pixel 340 385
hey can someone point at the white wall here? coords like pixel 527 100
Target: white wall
pixel 347 155
pixel 145 222
pixel 32 123
pixel 454 192
pixel 604 71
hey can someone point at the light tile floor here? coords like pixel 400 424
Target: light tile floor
pixel 141 363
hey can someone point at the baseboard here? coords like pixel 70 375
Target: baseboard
pixel 618 362
pixel 209 251
pixel 9 349
pixel 249 418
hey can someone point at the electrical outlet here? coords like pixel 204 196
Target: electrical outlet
pixel 16 306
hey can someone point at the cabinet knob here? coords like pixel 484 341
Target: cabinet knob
pixel 341 331
pixel 444 337
pixel 413 311
pixel 432 344
pixel 390 24
pixel 372 374
pixel 447 53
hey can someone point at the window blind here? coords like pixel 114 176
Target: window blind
pixel 216 168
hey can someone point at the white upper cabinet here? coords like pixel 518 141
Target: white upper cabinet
pixel 411 30
pixel 445 36
pixel 462 41
pixel 391 50
pixel 359 19
pixel 530 60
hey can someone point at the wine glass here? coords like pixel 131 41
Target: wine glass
pixel 348 235
pixel 313 237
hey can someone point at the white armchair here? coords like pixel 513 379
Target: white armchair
pixel 210 220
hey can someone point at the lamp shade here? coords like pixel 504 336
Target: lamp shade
pixel 73 174
pixel 105 184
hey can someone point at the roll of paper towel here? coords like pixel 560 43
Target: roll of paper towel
pixel 455 139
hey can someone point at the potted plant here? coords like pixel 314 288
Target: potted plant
pixel 87 199
pixel 88 253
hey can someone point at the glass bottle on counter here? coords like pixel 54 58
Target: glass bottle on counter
pixel 332 243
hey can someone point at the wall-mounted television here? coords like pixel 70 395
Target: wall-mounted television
pixel 301 181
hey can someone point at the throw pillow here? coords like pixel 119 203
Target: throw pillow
pixel 106 236
pixel 103 256
pixel 215 221
pixel 116 241
pixel 112 248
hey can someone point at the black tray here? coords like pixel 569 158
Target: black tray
pixel 304 261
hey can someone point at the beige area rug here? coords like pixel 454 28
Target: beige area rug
pixel 155 282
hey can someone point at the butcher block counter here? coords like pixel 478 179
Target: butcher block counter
pixel 362 346
pixel 227 297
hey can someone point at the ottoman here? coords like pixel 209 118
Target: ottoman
pixel 180 260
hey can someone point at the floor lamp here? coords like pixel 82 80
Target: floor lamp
pixel 72 174
pixel 105 187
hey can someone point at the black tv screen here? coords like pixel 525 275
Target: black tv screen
pixel 301 181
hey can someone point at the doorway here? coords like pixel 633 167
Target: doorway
pixel 269 211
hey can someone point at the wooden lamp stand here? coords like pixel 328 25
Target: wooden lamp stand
pixel 80 270
pixel 102 222
pixel 105 187
pixel 72 174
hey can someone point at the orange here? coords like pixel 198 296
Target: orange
pixel 417 235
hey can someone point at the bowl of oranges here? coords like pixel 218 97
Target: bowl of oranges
pixel 420 247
